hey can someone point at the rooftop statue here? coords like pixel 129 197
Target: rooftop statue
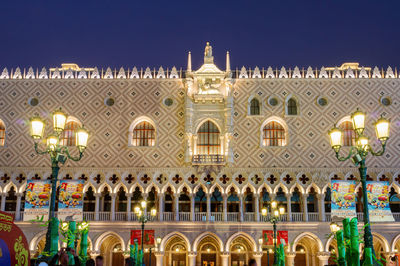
pixel 208 50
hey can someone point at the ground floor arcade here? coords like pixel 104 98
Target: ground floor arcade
pixel 192 244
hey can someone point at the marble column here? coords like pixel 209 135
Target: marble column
pixel 192 258
pixel 113 197
pixel 323 258
pixel 241 212
pixel 290 258
pixel 159 258
pixel 257 256
pixel 257 208
pixel 225 259
pixel 176 208
pixel 128 206
pixel 225 207
pixel 3 201
pixel 97 206
pixel 305 211
pixel 289 206
pixel 321 207
pixel 192 206
pixel 18 207
pixel 208 195
pixel 160 206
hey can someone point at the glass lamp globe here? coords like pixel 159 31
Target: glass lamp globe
pixel 36 127
pixel 358 119
pixel 382 126
pixel 82 136
pixel 59 120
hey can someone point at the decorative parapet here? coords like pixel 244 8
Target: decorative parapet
pixel 92 73
pixel 341 72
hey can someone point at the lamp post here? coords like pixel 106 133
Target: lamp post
pixel 274 219
pixel 142 218
pixel 358 154
pixel 58 155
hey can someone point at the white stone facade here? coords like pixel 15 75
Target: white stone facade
pixel 305 164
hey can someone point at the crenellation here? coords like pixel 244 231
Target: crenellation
pixel 243 73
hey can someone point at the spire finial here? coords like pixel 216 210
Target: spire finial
pixel 189 64
pixel 228 62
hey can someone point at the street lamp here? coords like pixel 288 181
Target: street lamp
pixel 58 155
pixel 142 218
pixel 358 154
pixel 277 213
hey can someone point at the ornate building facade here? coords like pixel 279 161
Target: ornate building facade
pixel 207 148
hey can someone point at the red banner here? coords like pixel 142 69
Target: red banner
pixel 268 236
pixel 148 237
pixel 13 245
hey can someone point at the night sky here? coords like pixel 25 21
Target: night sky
pixel 152 33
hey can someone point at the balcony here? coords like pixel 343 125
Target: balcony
pixel 202 217
pixel 208 159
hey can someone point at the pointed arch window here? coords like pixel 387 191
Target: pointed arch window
pixel 208 140
pixel 274 134
pixel 2 133
pixel 68 135
pixel 144 135
pixel 349 137
pixel 254 107
pixel 291 107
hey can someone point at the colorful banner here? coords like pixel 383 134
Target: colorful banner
pixel 282 236
pixel 70 203
pixel 37 199
pixel 378 201
pixel 148 237
pixel 343 199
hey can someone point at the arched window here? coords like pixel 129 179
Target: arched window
pixel 291 107
pixel 254 107
pixel 208 141
pixel 274 134
pixel 144 135
pixel 349 138
pixel 2 133
pixel 68 135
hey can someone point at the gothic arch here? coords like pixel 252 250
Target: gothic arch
pixel 316 188
pixel 180 188
pixel 118 186
pixel 202 121
pixel 150 186
pixel 312 236
pixel 301 189
pixel 166 238
pixel 216 185
pixel 296 99
pixel 280 185
pixel 86 187
pixel 228 188
pixel 133 188
pixel 245 236
pixel 252 188
pixel 137 121
pixel 278 120
pixel 205 234
pixel 264 185
pixel 103 236
pixel 102 186
pixel 196 188
pixel 167 186
pixel 383 240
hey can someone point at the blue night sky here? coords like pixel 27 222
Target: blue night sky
pixel 153 33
